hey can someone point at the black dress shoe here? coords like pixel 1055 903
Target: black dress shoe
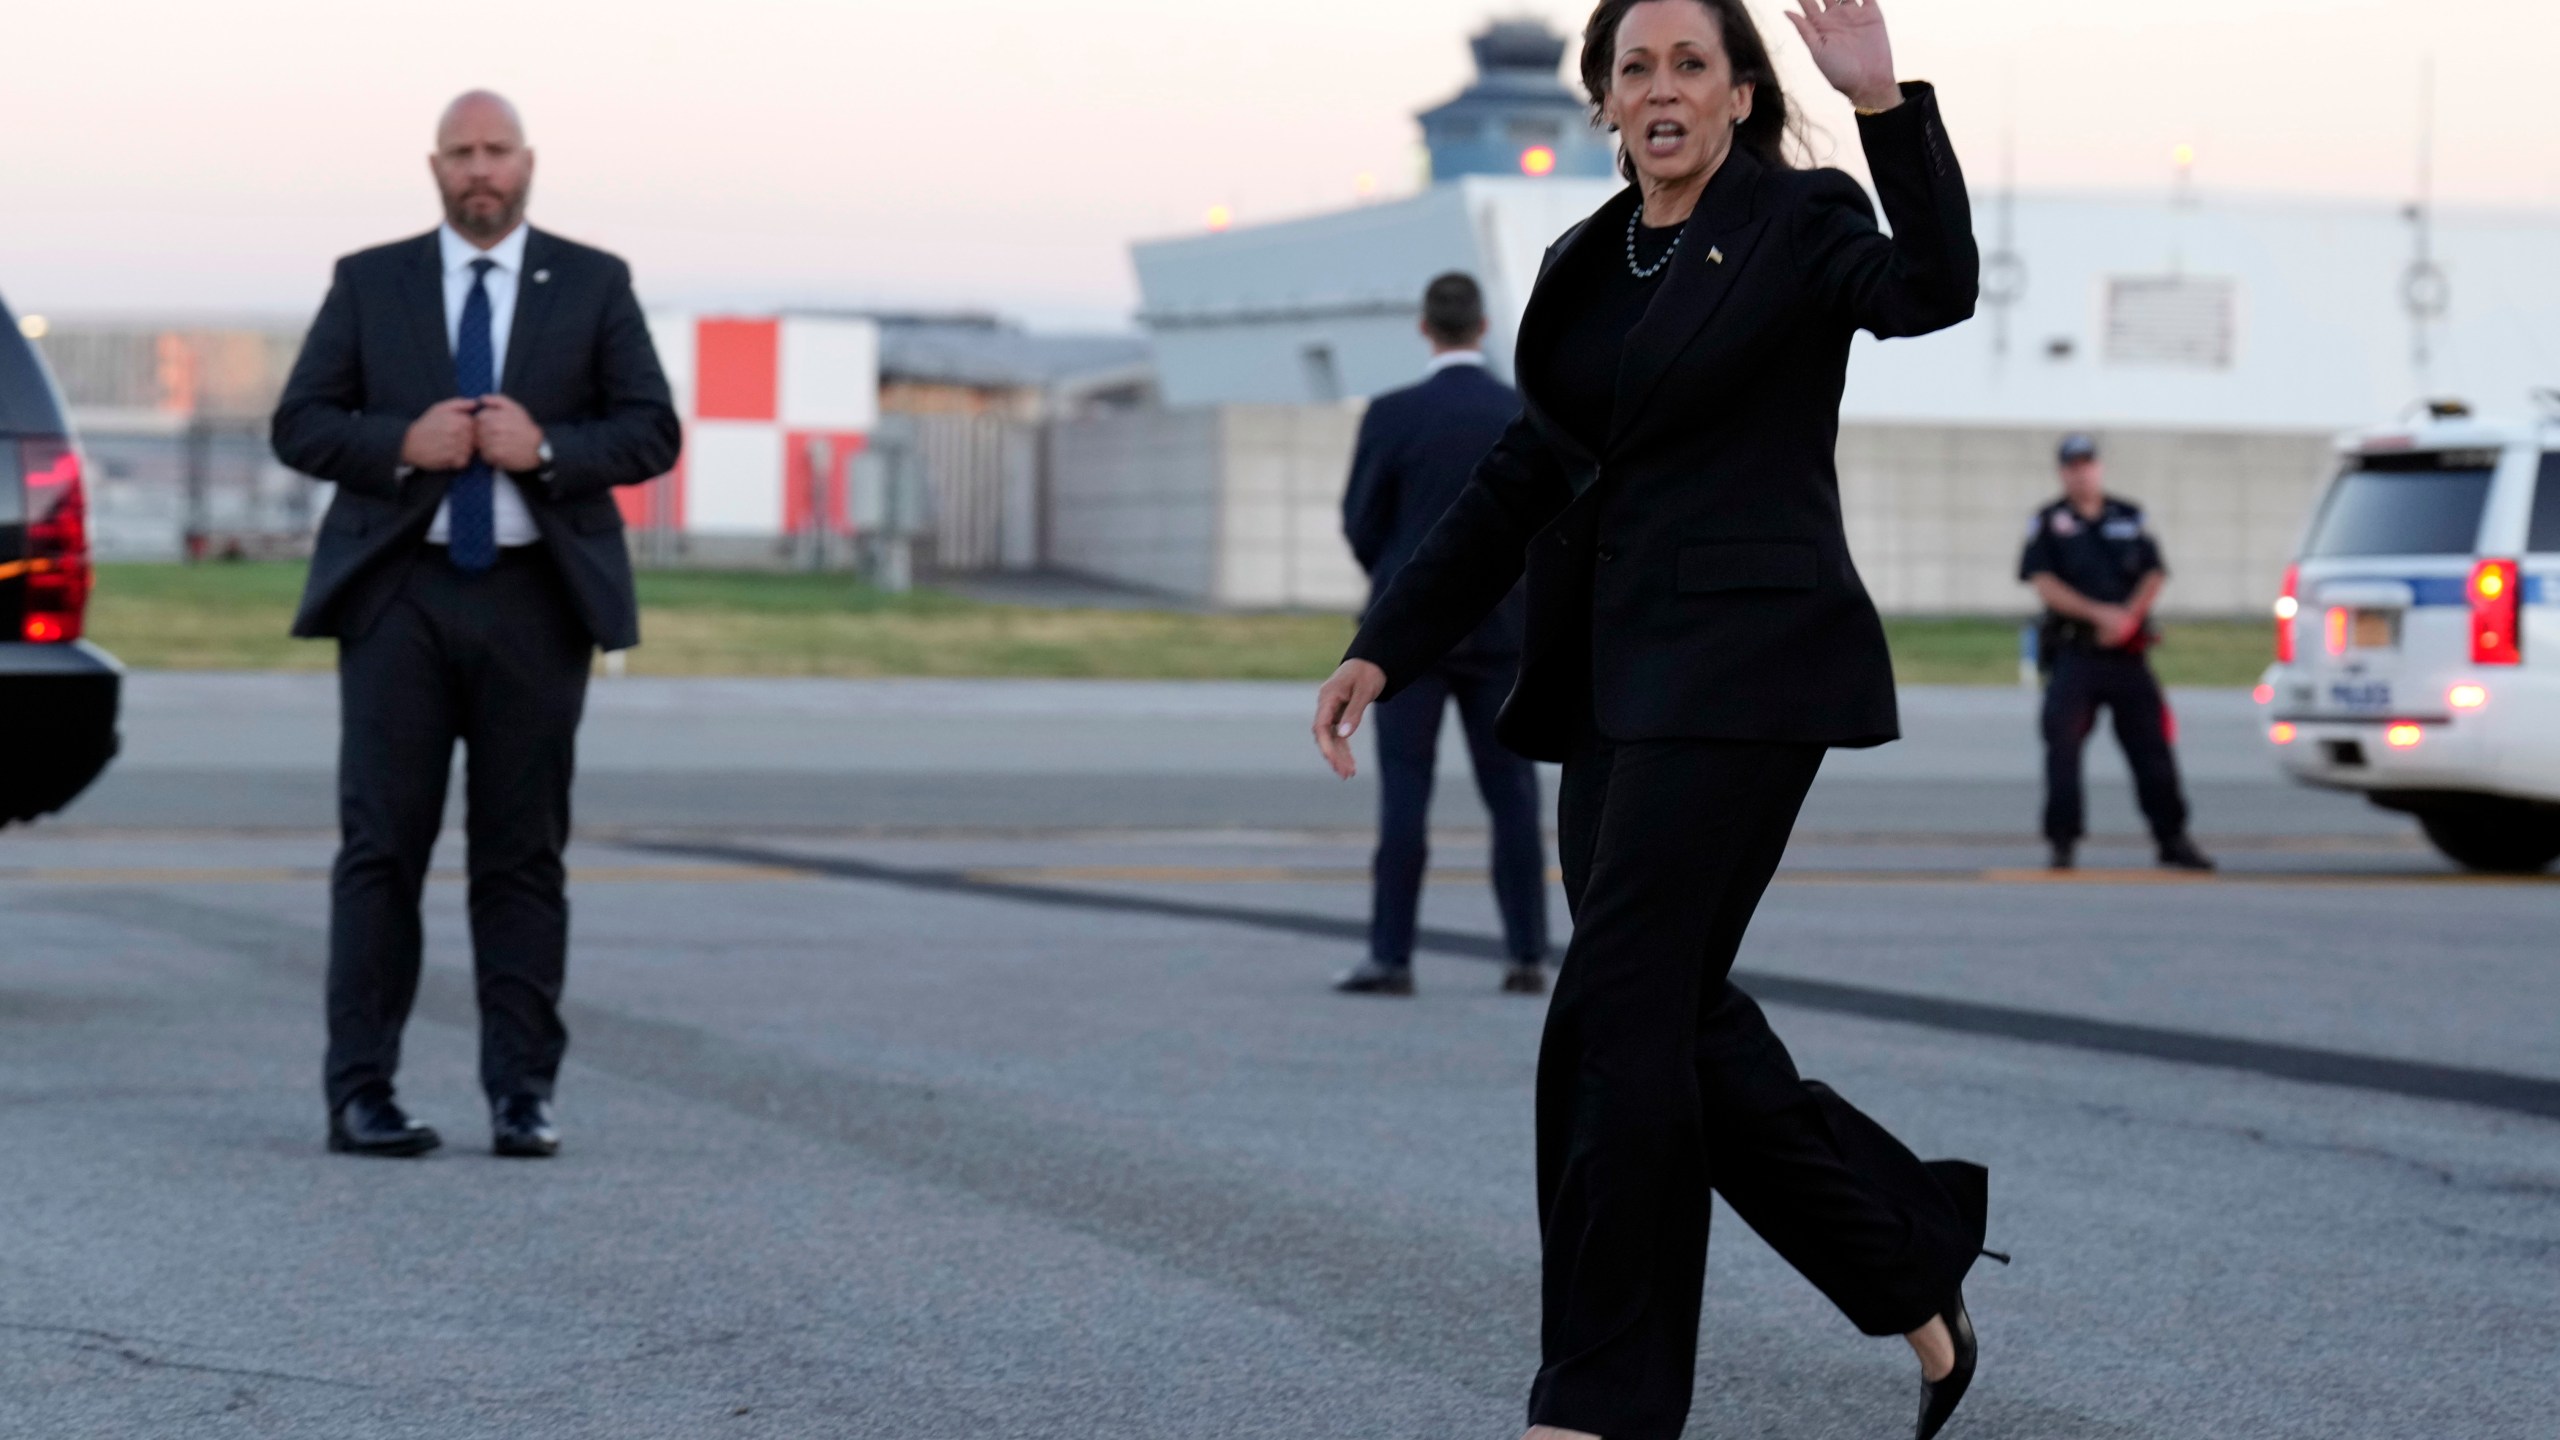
pixel 1373 978
pixel 2065 855
pixel 1939 1397
pixel 373 1125
pixel 520 1128
pixel 1529 977
pixel 2180 853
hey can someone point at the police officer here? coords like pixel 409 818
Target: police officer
pixel 2098 571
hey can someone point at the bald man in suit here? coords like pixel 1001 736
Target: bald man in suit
pixel 476 393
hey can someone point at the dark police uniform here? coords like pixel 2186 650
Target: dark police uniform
pixel 2107 561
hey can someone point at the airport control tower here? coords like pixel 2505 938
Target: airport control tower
pixel 1519 117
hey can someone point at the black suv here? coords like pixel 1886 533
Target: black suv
pixel 58 692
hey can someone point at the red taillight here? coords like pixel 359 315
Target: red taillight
pixel 2495 613
pixel 2288 605
pixel 58 575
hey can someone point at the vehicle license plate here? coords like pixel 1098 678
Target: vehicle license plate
pixel 2361 695
pixel 2377 630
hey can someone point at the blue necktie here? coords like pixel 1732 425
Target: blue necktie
pixel 471 530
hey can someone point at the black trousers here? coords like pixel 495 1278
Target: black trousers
pixel 1659 1081
pixel 1408 753
pixel 2082 681
pixel 498 661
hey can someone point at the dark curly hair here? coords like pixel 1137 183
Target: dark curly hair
pixel 1772 119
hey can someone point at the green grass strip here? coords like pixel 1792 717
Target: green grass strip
pixel 699 622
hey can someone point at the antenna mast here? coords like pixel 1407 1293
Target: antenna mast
pixel 2004 272
pixel 2424 291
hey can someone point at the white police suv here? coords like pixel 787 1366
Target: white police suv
pixel 2418 636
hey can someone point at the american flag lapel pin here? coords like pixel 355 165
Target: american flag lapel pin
pixel 1715 256
pixel 541 277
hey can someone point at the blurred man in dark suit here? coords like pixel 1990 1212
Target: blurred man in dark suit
pixel 1418 446
pixel 475 393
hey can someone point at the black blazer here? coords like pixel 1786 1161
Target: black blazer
pixel 578 359
pixel 1690 580
pixel 1418 447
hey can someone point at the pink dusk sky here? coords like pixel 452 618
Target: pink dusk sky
pixel 166 157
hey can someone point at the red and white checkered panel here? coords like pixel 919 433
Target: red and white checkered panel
pixel 763 398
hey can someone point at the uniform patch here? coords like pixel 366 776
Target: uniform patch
pixel 2130 529
pixel 2065 523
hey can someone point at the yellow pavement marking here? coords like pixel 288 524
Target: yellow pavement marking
pixel 2042 876
pixel 1238 875
pixel 295 875
pixel 1340 875
pixel 1194 875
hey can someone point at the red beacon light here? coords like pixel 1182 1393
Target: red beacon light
pixel 2494 591
pixel 2288 605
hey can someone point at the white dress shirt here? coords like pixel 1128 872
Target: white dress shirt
pixel 515 522
pixel 1448 359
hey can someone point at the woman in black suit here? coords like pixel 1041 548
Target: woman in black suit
pixel 1697 640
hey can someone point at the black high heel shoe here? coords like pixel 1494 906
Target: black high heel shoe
pixel 1939 1397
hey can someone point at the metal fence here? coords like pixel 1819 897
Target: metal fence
pixel 194 489
pixel 962 491
pixel 984 478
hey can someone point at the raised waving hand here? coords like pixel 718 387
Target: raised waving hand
pixel 1850 47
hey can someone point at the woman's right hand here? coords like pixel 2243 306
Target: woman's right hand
pixel 1339 705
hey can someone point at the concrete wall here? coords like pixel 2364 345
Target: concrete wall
pixel 1280 542
pixel 1240 506
pixel 1134 498
pixel 1937 514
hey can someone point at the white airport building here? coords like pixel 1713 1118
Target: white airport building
pixel 2216 343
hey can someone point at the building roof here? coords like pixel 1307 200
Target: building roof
pixel 1233 313
pixel 983 352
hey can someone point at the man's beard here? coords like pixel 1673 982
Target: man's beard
pixel 458 214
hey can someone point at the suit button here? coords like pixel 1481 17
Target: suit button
pixel 1564 540
pixel 1607 554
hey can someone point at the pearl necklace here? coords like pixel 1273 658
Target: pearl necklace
pixel 1635 217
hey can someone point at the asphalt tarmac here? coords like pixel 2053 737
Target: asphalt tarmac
pixel 956 1060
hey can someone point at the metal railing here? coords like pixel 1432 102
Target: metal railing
pixel 193 489
pixel 945 493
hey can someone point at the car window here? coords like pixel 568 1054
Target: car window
pixel 2416 503
pixel 13 497
pixel 27 405
pixel 2545 537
